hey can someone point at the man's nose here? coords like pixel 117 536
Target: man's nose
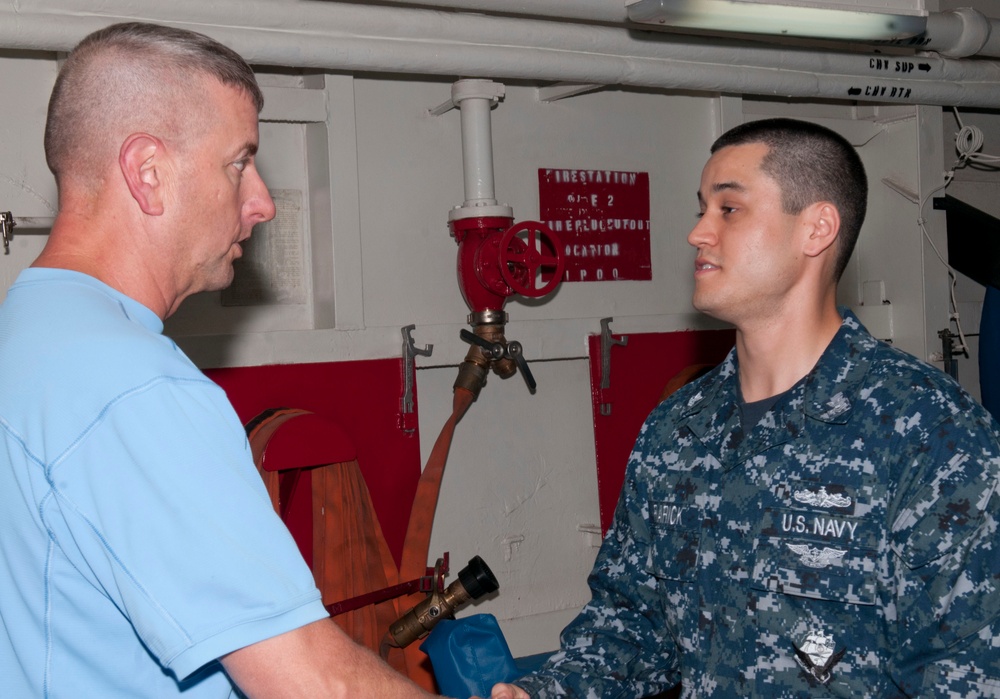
pixel 260 205
pixel 702 233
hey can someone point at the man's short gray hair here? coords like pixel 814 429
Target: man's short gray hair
pixel 127 73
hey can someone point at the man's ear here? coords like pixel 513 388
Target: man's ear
pixel 823 221
pixel 139 160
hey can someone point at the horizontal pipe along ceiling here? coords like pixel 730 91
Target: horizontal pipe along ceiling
pixel 353 37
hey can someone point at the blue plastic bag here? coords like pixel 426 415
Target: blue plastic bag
pixel 469 656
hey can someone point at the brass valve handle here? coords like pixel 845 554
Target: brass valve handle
pixel 496 351
pixel 515 352
pixel 493 350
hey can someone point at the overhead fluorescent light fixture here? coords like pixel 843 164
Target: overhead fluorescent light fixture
pixel 892 20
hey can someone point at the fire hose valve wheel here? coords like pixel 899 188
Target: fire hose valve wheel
pixel 531 259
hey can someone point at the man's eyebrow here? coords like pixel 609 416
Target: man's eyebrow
pixel 723 187
pixel 249 148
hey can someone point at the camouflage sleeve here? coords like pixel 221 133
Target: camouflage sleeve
pixel 618 646
pixel 947 594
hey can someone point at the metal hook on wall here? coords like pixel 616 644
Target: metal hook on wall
pixel 410 352
pixel 6 230
pixel 8 222
pixel 607 342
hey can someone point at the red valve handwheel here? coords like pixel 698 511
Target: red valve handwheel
pixel 521 258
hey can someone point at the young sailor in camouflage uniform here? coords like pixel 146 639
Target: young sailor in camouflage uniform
pixel 814 518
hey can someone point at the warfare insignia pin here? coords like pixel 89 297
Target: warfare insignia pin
pixel 816 653
pixel 821 498
pixel 838 403
pixel 819 647
pixel 814 557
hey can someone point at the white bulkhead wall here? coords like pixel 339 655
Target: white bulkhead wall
pixel 26 185
pixel 376 174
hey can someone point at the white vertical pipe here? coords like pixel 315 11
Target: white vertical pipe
pixel 477 153
pixel 475 99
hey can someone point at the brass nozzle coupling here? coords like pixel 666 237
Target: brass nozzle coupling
pixel 474 581
pixel 471 375
pixel 473 371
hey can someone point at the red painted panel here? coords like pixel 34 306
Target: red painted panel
pixel 639 372
pixel 602 219
pixel 362 397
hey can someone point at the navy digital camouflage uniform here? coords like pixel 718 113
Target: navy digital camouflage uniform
pixel 844 546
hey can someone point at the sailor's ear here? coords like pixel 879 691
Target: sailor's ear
pixel 823 226
pixel 140 161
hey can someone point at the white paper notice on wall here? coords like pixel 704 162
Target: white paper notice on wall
pixel 272 269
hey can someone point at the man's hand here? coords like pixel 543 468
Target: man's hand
pixel 508 691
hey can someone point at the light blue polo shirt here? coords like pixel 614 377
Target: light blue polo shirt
pixel 137 542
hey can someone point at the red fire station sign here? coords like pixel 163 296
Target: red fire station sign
pixel 602 220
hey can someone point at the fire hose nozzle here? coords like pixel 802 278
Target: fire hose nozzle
pixel 474 581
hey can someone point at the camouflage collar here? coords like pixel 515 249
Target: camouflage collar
pixel 825 394
pixel 838 375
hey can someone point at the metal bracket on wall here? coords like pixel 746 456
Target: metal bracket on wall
pixel 410 352
pixel 6 229
pixel 607 342
pixel 8 222
pixel 951 351
pixel 593 534
pixel 559 91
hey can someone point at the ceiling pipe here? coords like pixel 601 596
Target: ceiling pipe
pixel 604 11
pixel 955 33
pixel 961 33
pixel 362 38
